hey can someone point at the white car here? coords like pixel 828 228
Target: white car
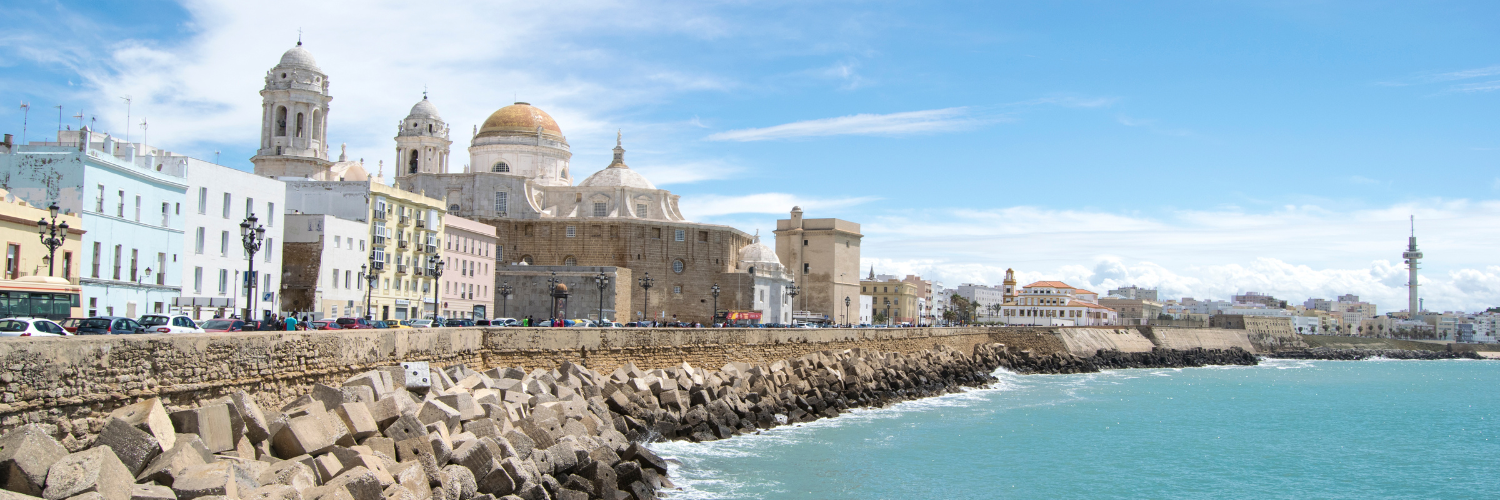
pixel 161 323
pixel 31 327
pixel 504 322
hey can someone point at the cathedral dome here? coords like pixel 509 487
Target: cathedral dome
pixel 299 57
pixel 424 109
pixel 618 177
pixel 519 118
pixel 757 252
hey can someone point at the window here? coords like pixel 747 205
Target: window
pixel 94 272
pixel 161 268
pixel 500 167
pixel 198 246
pixel 166 211
pixel 224 243
pixel 118 255
pixel 226 205
pixel 678 235
pixel 12 261
pixel 347 278
pixel 134 258
pixel 137 208
pixel 338 241
pixel 599 210
pixel 99 201
pixel 270 245
pixel 501 200
pixel 677 289
pixel 335 278
pixel 806 268
pixel 677 266
pixel 202 200
pixel 640 209
pixel 197 280
pixel 270 214
pixel 570 261
pixel 571 231
pixel 120 208
pixel 67 264
pixel 223 281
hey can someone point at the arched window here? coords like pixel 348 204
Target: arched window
pixel 677 266
pixel 412 164
pixel 281 121
pixel 429 128
pixel 526 259
pixel 453 207
pixel 317 123
pixel 299 124
pixel 570 261
pixel 500 167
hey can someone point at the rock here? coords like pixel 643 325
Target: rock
pixel 646 458
pixel 150 416
pixel 292 473
pixel 435 411
pixel 188 452
pixel 406 427
pixel 357 419
pixel 26 453
pixel 93 470
pixel 134 447
pixel 212 423
pixel 256 425
pixel 462 481
pixel 272 492
pixel 215 479
pixel 151 492
pixel 304 435
pixel 359 482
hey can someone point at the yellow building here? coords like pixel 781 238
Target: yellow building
pixel 406 231
pixel 25 289
pixel 894 301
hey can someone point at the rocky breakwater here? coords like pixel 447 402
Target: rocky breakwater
pixel 414 432
pixel 1359 354
pixel 1031 362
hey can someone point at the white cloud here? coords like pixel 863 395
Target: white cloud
pixel 663 174
pixel 904 123
pixel 1294 252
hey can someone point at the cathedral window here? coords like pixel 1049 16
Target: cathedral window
pixel 453 207
pixel 280 121
pixel 526 259
pixel 679 235
pixel 599 209
pixel 501 203
pixel 571 231
pixel 299 124
pixel 412 164
pixel 570 261
pixel 500 167
pixel 640 209
pixel 677 266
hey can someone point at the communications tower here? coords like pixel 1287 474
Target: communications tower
pixel 1412 255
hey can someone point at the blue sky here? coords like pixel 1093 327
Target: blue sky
pixel 1207 148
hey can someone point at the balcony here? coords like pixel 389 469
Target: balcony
pixel 421 222
pixel 404 220
pixel 400 268
pixel 431 249
pixel 378 240
pixel 417 271
pixel 378 265
pixel 401 244
pixel 379 215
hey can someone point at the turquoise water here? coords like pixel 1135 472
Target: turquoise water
pixel 1284 429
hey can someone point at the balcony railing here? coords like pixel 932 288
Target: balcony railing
pixel 431 248
pixel 379 215
pixel 404 220
pixel 421 222
pixel 400 268
pixel 401 244
pixel 379 240
pixel 378 265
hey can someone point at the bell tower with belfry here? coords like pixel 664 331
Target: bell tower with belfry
pixel 422 143
pixel 294 118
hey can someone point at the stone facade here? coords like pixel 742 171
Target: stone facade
pixel 823 255
pixel 531 296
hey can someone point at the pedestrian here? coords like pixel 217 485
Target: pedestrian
pixel 291 323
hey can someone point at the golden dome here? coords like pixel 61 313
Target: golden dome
pixel 519 118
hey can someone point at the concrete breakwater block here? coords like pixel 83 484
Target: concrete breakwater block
pixel 25 455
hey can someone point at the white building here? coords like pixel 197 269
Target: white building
pixel 130 198
pixel 1054 303
pixel 866 309
pixel 213 255
pixel 983 296
pixel 331 251
pixel 769 282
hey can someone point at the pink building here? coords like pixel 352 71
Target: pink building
pixel 469 273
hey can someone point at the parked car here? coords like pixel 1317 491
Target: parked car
pixel 505 322
pixel 157 323
pixel 109 325
pixel 31 327
pixel 324 324
pixel 229 325
pixel 418 323
pixel 354 323
pixel 395 324
pixel 71 324
pixel 459 322
pixel 377 324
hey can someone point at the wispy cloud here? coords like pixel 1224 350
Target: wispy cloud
pixel 762 203
pixel 663 174
pixel 846 71
pixel 1489 86
pixel 904 123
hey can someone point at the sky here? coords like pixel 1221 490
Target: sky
pixel 1204 148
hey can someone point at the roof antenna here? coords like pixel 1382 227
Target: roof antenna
pixel 299 37
pixel 1414 226
pixel 424 92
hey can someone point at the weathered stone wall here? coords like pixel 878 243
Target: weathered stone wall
pixel 1087 341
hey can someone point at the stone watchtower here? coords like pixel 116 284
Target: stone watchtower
pixel 293 135
pixel 422 141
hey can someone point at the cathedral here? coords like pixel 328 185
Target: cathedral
pixel 521 181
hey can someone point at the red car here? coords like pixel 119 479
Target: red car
pixel 354 323
pixel 229 325
pixel 325 325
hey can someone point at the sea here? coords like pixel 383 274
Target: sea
pixel 1282 429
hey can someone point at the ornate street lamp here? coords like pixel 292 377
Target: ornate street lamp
pixel 371 279
pixel 846 310
pixel 646 283
pixel 601 280
pixel 53 235
pixel 251 236
pixel 505 291
pixel 551 292
pixel 793 290
pixel 715 291
pixel 435 266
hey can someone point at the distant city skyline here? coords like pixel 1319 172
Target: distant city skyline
pixel 1201 150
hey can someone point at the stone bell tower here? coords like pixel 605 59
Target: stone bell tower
pixel 294 115
pixel 422 141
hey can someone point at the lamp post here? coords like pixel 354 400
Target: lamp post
pixel 371 279
pixel 53 235
pixel 601 280
pixel 505 291
pixel 435 266
pixel 715 292
pixel 251 236
pixel 551 291
pixel 646 283
pixel 846 310
pixel 792 290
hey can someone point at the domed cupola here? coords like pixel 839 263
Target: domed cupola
pixel 422 143
pixel 618 174
pixel 293 135
pixel 522 140
pixel 758 256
